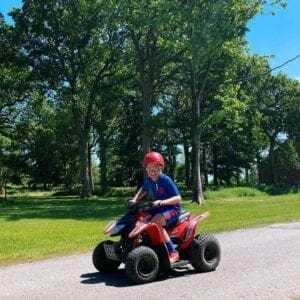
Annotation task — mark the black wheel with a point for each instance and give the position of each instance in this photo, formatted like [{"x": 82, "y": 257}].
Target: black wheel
[
  {"x": 205, "y": 253},
  {"x": 101, "y": 262},
  {"x": 142, "y": 265}
]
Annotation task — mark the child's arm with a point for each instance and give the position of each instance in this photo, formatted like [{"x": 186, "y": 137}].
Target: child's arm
[
  {"x": 170, "y": 201},
  {"x": 140, "y": 194}
]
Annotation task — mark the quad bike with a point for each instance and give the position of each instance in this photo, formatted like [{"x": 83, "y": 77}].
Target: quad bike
[{"x": 142, "y": 249}]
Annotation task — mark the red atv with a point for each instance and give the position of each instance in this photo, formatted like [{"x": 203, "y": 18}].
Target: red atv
[{"x": 142, "y": 249}]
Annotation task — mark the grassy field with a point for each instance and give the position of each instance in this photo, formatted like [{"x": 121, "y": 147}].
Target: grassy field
[{"x": 37, "y": 226}]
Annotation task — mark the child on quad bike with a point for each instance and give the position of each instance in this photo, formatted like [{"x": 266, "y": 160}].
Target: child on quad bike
[{"x": 166, "y": 205}]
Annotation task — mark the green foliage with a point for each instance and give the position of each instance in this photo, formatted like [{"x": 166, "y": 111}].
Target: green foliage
[
  {"x": 125, "y": 77},
  {"x": 279, "y": 189},
  {"x": 4, "y": 141},
  {"x": 286, "y": 156}
]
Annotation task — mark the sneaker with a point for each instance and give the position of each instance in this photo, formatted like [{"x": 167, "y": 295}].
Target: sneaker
[{"x": 173, "y": 256}]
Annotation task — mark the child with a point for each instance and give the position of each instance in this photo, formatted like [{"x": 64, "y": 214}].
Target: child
[{"x": 166, "y": 205}]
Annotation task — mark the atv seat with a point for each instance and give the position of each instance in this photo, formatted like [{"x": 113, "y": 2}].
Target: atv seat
[{"x": 183, "y": 216}]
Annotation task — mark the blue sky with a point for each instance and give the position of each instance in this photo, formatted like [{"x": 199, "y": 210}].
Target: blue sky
[{"x": 277, "y": 35}]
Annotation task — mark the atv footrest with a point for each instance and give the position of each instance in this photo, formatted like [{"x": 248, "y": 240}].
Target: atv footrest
[{"x": 179, "y": 264}]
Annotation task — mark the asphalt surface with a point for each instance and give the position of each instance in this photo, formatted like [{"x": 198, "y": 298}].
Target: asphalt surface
[{"x": 260, "y": 263}]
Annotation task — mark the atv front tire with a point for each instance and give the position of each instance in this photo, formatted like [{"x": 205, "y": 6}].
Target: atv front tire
[
  {"x": 205, "y": 253},
  {"x": 142, "y": 265},
  {"x": 101, "y": 262}
]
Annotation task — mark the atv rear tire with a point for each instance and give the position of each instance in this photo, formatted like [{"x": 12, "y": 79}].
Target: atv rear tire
[
  {"x": 141, "y": 265},
  {"x": 101, "y": 262},
  {"x": 205, "y": 253}
]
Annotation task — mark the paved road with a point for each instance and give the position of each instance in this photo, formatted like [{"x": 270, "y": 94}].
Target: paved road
[{"x": 261, "y": 263}]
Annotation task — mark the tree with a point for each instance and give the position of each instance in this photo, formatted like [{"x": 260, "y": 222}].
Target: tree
[
  {"x": 231, "y": 125},
  {"x": 70, "y": 59},
  {"x": 133, "y": 75},
  {"x": 275, "y": 100},
  {"x": 149, "y": 27},
  {"x": 209, "y": 26},
  {"x": 14, "y": 87}
]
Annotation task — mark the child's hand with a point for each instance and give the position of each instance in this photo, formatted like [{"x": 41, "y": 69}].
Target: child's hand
[
  {"x": 131, "y": 203},
  {"x": 156, "y": 203}
]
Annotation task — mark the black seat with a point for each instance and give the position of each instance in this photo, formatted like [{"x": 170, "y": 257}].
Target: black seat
[{"x": 183, "y": 216}]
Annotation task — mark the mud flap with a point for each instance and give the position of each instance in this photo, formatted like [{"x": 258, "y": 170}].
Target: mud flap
[{"x": 162, "y": 253}]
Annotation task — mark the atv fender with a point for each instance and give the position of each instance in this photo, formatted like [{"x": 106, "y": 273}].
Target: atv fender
[
  {"x": 110, "y": 226},
  {"x": 151, "y": 229},
  {"x": 191, "y": 228}
]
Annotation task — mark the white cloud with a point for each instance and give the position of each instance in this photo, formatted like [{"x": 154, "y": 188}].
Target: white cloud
[{"x": 297, "y": 78}]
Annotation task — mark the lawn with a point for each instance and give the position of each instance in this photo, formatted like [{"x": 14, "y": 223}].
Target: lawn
[{"x": 34, "y": 226}]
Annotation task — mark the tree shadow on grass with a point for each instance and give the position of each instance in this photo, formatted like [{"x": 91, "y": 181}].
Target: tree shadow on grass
[{"x": 61, "y": 208}]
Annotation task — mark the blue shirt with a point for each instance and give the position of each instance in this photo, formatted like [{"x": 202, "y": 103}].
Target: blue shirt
[{"x": 162, "y": 189}]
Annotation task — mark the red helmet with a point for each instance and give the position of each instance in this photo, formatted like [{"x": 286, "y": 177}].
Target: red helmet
[{"x": 153, "y": 157}]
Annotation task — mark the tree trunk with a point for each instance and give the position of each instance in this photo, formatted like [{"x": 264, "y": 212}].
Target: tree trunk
[
  {"x": 187, "y": 163},
  {"x": 146, "y": 139},
  {"x": 146, "y": 121},
  {"x": 197, "y": 184},
  {"x": 247, "y": 175},
  {"x": 237, "y": 174},
  {"x": 146, "y": 87},
  {"x": 272, "y": 161},
  {"x": 171, "y": 160},
  {"x": 91, "y": 179},
  {"x": 84, "y": 168},
  {"x": 2, "y": 188},
  {"x": 258, "y": 166},
  {"x": 103, "y": 163},
  {"x": 215, "y": 164},
  {"x": 204, "y": 169},
  {"x": 227, "y": 176}
]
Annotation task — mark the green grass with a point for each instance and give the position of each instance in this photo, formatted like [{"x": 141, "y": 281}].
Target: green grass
[
  {"x": 243, "y": 212},
  {"x": 38, "y": 226}
]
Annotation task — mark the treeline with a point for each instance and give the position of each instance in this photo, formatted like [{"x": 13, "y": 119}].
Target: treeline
[{"x": 87, "y": 87}]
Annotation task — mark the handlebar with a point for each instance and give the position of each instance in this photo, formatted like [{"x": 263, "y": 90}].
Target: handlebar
[{"x": 138, "y": 206}]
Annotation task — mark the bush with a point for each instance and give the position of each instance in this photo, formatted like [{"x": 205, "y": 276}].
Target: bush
[
  {"x": 278, "y": 189},
  {"x": 233, "y": 192}
]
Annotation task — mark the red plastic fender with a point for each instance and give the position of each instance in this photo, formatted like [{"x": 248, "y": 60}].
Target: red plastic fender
[
  {"x": 151, "y": 229},
  {"x": 191, "y": 228},
  {"x": 110, "y": 226}
]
